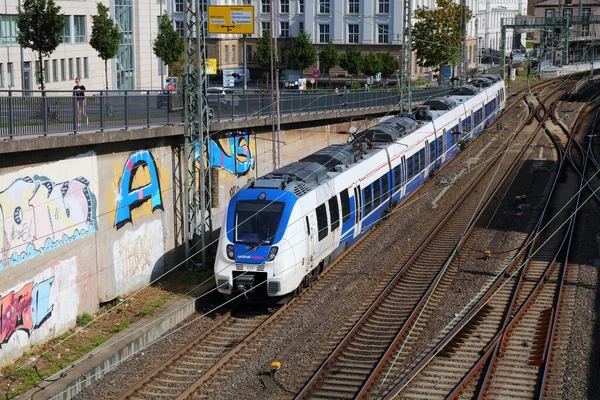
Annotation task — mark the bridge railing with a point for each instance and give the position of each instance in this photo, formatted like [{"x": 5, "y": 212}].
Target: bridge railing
[{"x": 51, "y": 111}]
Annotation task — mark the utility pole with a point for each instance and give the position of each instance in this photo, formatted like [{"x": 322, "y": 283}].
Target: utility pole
[
  {"x": 462, "y": 67},
  {"x": 405, "y": 94},
  {"x": 276, "y": 121}
]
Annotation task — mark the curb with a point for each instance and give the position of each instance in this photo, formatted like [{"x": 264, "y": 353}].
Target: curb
[{"x": 109, "y": 355}]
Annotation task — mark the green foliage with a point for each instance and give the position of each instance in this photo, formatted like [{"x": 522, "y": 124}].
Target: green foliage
[
  {"x": 303, "y": 53},
  {"x": 262, "y": 56},
  {"x": 437, "y": 34},
  {"x": 389, "y": 64},
  {"x": 371, "y": 64},
  {"x": 168, "y": 45},
  {"x": 105, "y": 37},
  {"x": 120, "y": 326},
  {"x": 352, "y": 60},
  {"x": 84, "y": 319},
  {"x": 329, "y": 57},
  {"x": 40, "y": 28}
]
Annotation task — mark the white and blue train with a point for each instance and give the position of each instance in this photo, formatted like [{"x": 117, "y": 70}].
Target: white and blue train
[{"x": 281, "y": 229}]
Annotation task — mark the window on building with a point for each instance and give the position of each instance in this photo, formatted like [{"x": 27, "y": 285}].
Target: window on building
[
  {"x": 71, "y": 77},
  {"x": 86, "y": 68},
  {"x": 55, "y": 70},
  {"x": 249, "y": 54},
  {"x": 324, "y": 33},
  {"x": 353, "y": 33},
  {"x": 1, "y": 75},
  {"x": 63, "y": 70},
  {"x": 568, "y": 12},
  {"x": 46, "y": 70},
  {"x": 586, "y": 12},
  {"x": 179, "y": 28},
  {"x": 38, "y": 70},
  {"x": 585, "y": 30},
  {"x": 78, "y": 67},
  {"x": 179, "y": 6},
  {"x": 226, "y": 58},
  {"x": 301, "y": 4},
  {"x": 79, "y": 25},
  {"x": 67, "y": 30},
  {"x": 384, "y": 6},
  {"x": 233, "y": 52},
  {"x": 9, "y": 75},
  {"x": 353, "y": 6},
  {"x": 8, "y": 30},
  {"x": 265, "y": 28},
  {"x": 301, "y": 26},
  {"x": 324, "y": 6},
  {"x": 383, "y": 33},
  {"x": 265, "y": 6},
  {"x": 285, "y": 29},
  {"x": 284, "y": 6}
]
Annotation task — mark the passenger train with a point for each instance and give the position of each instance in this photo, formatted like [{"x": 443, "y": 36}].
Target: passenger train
[{"x": 283, "y": 228}]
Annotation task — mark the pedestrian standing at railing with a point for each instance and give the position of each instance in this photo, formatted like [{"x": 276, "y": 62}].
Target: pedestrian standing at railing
[{"x": 79, "y": 93}]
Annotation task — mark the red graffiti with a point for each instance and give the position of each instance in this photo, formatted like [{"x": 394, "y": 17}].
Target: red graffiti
[{"x": 15, "y": 312}]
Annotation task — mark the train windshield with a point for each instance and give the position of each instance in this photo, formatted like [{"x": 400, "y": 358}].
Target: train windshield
[{"x": 256, "y": 221}]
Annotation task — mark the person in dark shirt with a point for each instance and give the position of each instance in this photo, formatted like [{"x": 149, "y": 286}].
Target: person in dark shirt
[{"x": 79, "y": 93}]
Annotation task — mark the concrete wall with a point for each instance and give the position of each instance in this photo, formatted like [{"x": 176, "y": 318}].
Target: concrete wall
[{"x": 78, "y": 227}]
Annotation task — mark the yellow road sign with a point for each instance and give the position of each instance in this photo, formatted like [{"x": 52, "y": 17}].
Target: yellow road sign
[
  {"x": 231, "y": 19},
  {"x": 211, "y": 66}
]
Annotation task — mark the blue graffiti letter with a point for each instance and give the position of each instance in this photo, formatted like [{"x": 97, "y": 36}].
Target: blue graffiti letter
[
  {"x": 130, "y": 198},
  {"x": 40, "y": 304}
]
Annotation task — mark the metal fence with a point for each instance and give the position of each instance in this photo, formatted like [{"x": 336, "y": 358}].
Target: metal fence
[{"x": 42, "y": 113}]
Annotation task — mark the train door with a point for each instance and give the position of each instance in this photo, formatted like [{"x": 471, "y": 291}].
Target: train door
[
  {"x": 358, "y": 212},
  {"x": 311, "y": 224}
]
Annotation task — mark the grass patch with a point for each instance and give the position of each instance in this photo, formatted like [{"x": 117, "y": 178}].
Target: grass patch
[
  {"x": 120, "y": 326},
  {"x": 84, "y": 319}
]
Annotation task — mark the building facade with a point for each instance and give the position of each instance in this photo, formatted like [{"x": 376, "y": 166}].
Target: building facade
[
  {"x": 135, "y": 67},
  {"x": 489, "y": 17}
]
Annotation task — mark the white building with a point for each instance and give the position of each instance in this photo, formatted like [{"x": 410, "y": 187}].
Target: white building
[
  {"x": 135, "y": 67},
  {"x": 489, "y": 17}
]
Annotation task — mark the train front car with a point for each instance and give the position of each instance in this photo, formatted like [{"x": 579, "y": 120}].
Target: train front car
[{"x": 254, "y": 256}]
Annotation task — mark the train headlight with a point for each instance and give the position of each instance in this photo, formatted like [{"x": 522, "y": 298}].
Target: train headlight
[
  {"x": 272, "y": 253},
  {"x": 230, "y": 253}
]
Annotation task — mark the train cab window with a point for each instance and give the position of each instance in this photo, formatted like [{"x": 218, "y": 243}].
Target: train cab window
[
  {"x": 421, "y": 160},
  {"x": 322, "y": 221},
  {"x": 368, "y": 199},
  {"x": 345, "y": 200},
  {"x": 257, "y": 221},
  {"x": 334, "y": 212},
  {"x": 376, "y": 193},
  {"x": 397, "y": 177},
  {"x": 385, "y": 187}
]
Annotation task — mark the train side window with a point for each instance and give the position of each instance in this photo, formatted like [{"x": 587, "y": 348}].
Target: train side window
[
  {"x": 432, "y": 154},
  {"x": 334, "y": 212},
  {"x": 376, "y": 193},
  {"x": 368, "y": 199},
  {"x": 385, "y": 187},
  {"x": 397, "y": 177},
  {"x": 307, "y": 226},
  {"x": 322, "y": 221},
  {"x": 421, "y": 160},
  {"x": 345, "y": 200},
  {"x": 440, "y": 146},
  {"x": 409, "y": 168}
]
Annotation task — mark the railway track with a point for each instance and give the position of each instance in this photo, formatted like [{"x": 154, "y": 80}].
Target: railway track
[
  {"x": 358, "y": 360},
  {"x": 170, "y": 380},
  {"x": 515, "y": 344}
]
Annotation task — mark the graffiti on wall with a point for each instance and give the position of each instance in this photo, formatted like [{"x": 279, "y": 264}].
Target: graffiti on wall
[
  {"x": 139, "y": 183},
  {"x": 232, "y": 154},
  {"x": 25, "y": 310},
  {"x": 136, "y": 255},
  {"x": 38, "y": 215}
]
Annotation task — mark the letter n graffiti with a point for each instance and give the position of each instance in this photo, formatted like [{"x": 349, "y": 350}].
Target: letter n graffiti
[{"x": 129, "y": 198}]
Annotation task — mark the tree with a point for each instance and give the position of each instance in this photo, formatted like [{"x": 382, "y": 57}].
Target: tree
[
  {"x": 352, "y": 60},
  {"x": 168, "y": 45},
  {"x": 437, "y": 34},
  {"x": 371, "y": 64},
  {"x": 303, "y": 53},
  {"x": 105, "y": 37},
  {"x": 40, "y": 28},
  {"x": 262, "y": 56},
  {"x": 389, "y": 65},
  {"x": 329, "y": 58}
]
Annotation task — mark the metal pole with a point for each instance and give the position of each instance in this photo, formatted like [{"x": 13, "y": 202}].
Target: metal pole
[
  {"x": 245, "y": 55},
  {"x": 22, "y": 64},
  {"x": 274, "y": 83},
  {"x": 162, "y": 64},
  {"x": 462, "y": 67}
]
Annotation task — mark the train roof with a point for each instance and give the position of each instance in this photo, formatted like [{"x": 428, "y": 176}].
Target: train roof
[{"x": 302, "y": 176}]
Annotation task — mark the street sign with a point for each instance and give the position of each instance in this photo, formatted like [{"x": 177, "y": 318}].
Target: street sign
[
  {"x": 287, "y": 84},
  {"x": 316, "y": 73},
  {"x": 231, "y": 19},
  {"x": 211, "y": 66},
  {"x": 312, "y": 81},
  {"x": 228, "y": 78}
]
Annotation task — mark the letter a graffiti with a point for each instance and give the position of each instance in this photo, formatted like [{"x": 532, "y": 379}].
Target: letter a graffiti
[{"x": 129, "y": 198}]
